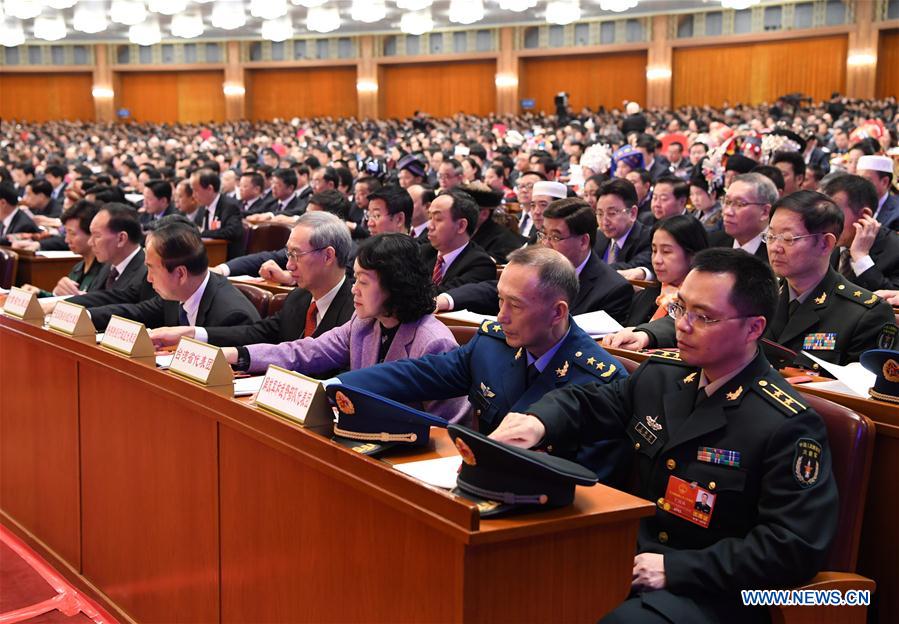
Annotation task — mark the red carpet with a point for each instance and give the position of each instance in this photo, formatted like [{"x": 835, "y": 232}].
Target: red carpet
[{"x": 31, "y": 591}]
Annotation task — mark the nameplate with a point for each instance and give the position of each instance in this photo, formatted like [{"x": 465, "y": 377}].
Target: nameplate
[
  {"x": 71, "y": 319},
  {"x": 202, "y": 363},
  {"x": 128, "y": 338},
  {"x": 23, "y": 305},
  {"x": 296, "y": 397}
]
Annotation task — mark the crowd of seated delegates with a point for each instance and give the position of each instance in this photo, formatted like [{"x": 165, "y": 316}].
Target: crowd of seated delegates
[{"x": 390, "y": 222}]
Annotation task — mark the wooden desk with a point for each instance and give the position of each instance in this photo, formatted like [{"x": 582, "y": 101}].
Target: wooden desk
[
  {"x": 177, "y": 504},
  {"x": 879, "y": 548},
  {"x": 273, "y": 287},
  {"x": 43, "y": 272},
  {"x": 216, "y": 250}
]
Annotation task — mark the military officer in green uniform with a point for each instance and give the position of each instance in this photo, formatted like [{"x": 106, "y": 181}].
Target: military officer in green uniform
[
  {"x": 533, "y": 347},
  {"x": 719, "y": 421},
  {"x": 818, "y": 310}
]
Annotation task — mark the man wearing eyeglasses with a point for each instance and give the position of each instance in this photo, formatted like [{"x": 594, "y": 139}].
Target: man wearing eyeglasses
[
  {"x": 718, "y": 421},
  {"x": 744, "y": 212},
  {"x": 317, "y": 251},
  {"x": 622, "y": 241}
]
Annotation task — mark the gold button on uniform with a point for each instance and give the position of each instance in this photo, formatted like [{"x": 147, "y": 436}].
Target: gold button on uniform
[
  {"x": 671, "y": 464},
  {"x": 712, "y": 485},
  {"x": 660, "y": 502},
  {"x": 663, "y": 537},
  {"x": 636, "y": 446}
]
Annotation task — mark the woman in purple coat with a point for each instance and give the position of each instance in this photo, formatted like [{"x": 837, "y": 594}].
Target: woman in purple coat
[{"x": 394, "y": 300}]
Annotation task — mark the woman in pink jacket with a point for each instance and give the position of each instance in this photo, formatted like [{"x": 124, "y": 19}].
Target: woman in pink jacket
[{"x": 394, "y": 300}]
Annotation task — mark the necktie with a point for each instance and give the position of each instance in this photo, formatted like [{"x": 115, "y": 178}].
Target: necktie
[
  {"x": 311, "y": 320},
  {"x": 437, "y": 275},
  {"x": 613, "y": 253},
  {"x": 532, "y": 374},
  {"x": 111, "y": 278},
  {"x": 183, "y": 321},
  {"x": 2, "y": 229},
  {"x": 700, "y": 397},
  {"x": 845, "y": 265},
  {"x": 525, "y": 222}
]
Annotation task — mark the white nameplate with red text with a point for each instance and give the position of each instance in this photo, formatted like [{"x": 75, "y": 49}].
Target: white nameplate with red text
[
  {"x": 202, "y": 363},
  {"x": 71, "y": 319},
  {"x": 294, "y": 396},
  {"x": 23, "y": 305},
  {"x": 127, "y": 337}
]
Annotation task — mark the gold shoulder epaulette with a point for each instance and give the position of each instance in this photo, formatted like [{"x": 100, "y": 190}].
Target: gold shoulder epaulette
[
  {"x": 779, "y": 398},
  {"x": 492, "y": 328},
  {"x": 857, "y": 294},
  {"x": 668, "y": 357}
]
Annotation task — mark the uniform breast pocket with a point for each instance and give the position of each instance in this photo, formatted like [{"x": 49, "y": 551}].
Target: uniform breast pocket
[
  {"x": 644, "y": 438},
  {"x": 725, "y": 499},
  {"x": 485, "y": 413}
]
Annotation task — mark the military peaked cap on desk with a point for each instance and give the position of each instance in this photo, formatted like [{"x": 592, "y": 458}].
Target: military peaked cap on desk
[
  {"x": 501, "y": 478},
  {"x": 370, "y": 424},
  {"x": 885, "y": 364}
]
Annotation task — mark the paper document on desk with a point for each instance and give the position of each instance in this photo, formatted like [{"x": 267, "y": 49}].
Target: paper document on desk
[
  {"x": 246, "y": 278},
  {"x": 597, "y": 324},
  {"x": 854, "y": 376},
  {"x": 134, "y": 198},
  {"x": 247, "y": 386},
  {"x": 164, "y": 361},
  {"x": 464, "y": 316},
  {"x": 440, "y": 472},
  {"x": 57, "y": 254}
]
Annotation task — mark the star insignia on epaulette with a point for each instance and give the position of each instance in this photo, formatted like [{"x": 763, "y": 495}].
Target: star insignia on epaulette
[
  {"x": 591, "y": 360},
  {"x": 871, "y": 300},
  {"x": 600, "y": 366},
  {"x": 519, "y": 352},
  {"x": 821, "y": 299},
  {"x": 610, "y": 372},
  {"x": 733, "y": 396},
  {"x": 857, "y": 293},
  {"x": 689, "y": 378},
  {"x": 561, "y": 372},
  {"x": 497, "y": 328}
]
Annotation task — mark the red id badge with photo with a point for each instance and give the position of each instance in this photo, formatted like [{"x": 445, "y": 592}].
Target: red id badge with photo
[{"x": 689, "y": 501}]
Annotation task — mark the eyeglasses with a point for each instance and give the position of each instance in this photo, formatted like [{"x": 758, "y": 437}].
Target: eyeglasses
[
  {"x": 678, "y": 311},
  {"x": 525, "y": 187},
  {"x": 602, "y": 214},
  {"x": 294, "y": 256},
  {"x": 553, "y": 238},
  {"x": 788, "y": 240},
  {"x": 739, "y": 203}
]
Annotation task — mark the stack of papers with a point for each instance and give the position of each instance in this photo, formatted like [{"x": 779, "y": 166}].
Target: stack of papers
[
  {"x": 57, "y": 254},
  {"x": 439, "y": 472},
  {"x": 247, "y": 386},
  {"x": 596, "y": 324},
  {"x": 850, "y": 379}
]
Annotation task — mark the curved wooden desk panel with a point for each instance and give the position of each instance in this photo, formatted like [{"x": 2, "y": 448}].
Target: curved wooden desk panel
[{"x": 181, "y": 505}]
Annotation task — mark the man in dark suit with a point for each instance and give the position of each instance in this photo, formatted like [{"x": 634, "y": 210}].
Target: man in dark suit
[
  {"x": 867, "y": 253},
  {"x": 879, "y": 171},
  {"x": 13, "y": 220},
  {"x": 656, "y": 164},
  {"x": 56, "y": 175},
  {"x": 186, "y": 204},
  {"x": 323, "y": 300},
  {"x": 285, "y": 200},
  {"x": 451, "y": 257},
  {"x": 157, "y": 203},
  {"x": 187, "y": 292},
  {"x": 222, "y": 220},
  {"x": 497, "y": 240},
  {"x": 622, "y": 241},
  {"x": 115, "y": 239},
  {"x": 251, "y": 186},
  {"x": 745, "y": 211},
  {"x": 569, "y": 228},
  {"x": 39, "y": 201}
]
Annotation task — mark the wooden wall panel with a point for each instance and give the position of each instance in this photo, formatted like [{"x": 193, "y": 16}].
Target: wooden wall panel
[
  {"x": 591, "y": 80},
  {"x": 172, "y": 97},
  {"x": 888, "y": 64},
  {"x": 438, "y": 89},
  {"x": 302, "y": 92},
  {"x": 45, "y": 97},
  {"x": 759, "y": 72}
]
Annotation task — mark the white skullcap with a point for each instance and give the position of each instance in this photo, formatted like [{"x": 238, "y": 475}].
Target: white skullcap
[
  {"x": 632, "y": 108},
  {"x": 552, "y": 189},
  {"x": 884, "y": 164}
]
